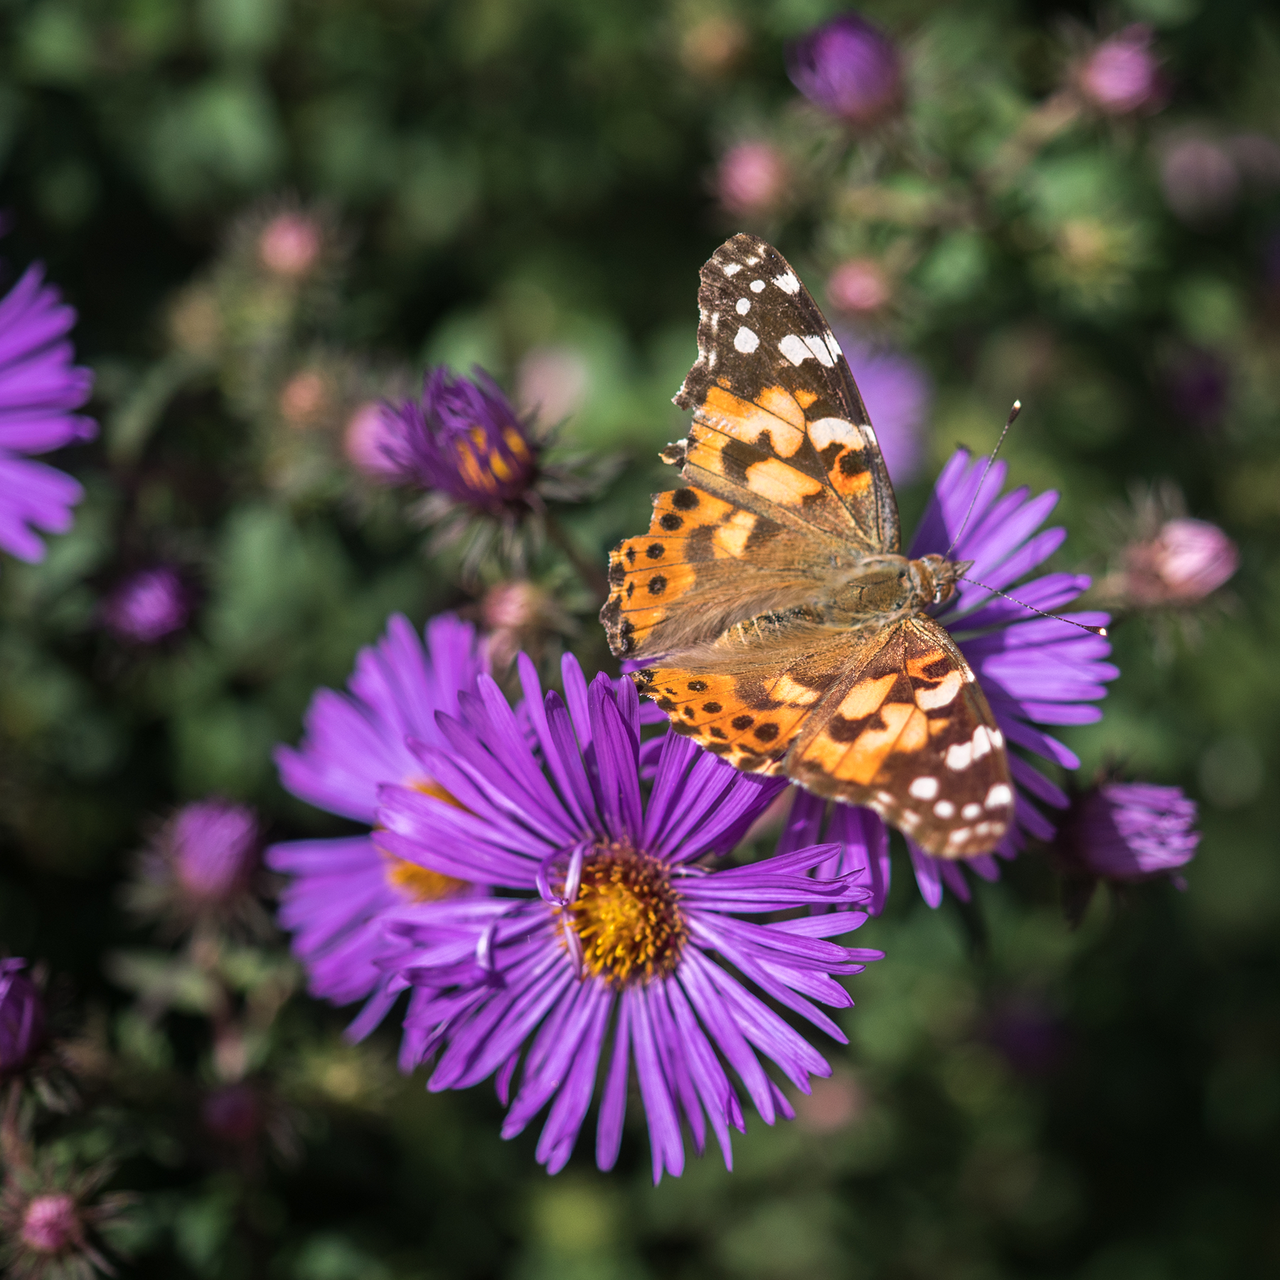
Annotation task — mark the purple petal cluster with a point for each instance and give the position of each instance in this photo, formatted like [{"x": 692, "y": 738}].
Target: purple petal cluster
[
  {"x": 211, "y": 848},
  {"x": 1035, "y": 671},
  {"x": 849, "y": 69},
  {"x": 353, "y": 744},
  {"x": 147, "y": 606},
  {"x": 463, "y": 438},
  {"x": 22, "y": 1017},
  {"x": 607, "y": 942},
  {"x": 1128, "y": 831},
  {"x": 39, "y": 390}
]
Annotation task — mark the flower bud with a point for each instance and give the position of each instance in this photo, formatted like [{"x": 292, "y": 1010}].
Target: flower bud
[
  {"x": 849, "y": 69},
  {"x": 1200, "y": 180},
  {"x": 51, "y": 1224},
  {"x": 289, "y": 245},
  {"x": 752, "y": 179},
  {"x": 368, "y": 430},
  {"x": 1122, "y": 75},
  {"x": 22, "y": 1017},
  {"x": 1184, "y": 562},
  {"x": 147, "y": 606},
  {"x": 214, "y": 849},
  {"x": 859, "y": 286},
  {"x": 1127, "y": 831}
]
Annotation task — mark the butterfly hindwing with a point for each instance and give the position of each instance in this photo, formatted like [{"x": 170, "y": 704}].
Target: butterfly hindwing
[
  {"x": 779, "y": 425},
  {"x": 914, "y": 738}
]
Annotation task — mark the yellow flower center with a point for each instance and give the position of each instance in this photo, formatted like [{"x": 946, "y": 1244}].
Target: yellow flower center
[
  {"x": 421, "y": 884},
  {"x": 627, "y": 917}
]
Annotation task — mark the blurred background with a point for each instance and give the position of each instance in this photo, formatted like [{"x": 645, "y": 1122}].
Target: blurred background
[{"x": 269, "y": 214}]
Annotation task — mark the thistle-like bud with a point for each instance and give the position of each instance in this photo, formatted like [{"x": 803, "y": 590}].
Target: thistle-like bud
[
  {"x": 147, "y": 606},
  {"x": 848, "y": 68}
]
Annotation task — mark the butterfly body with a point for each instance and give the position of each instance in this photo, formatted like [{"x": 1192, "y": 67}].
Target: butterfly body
[{"x": 790, "y": 635}]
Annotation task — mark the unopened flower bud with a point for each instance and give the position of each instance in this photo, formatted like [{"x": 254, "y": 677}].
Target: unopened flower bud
[
  {"x": 1200, "y": 180},
  {"x": 147, "y": 606},
  {"x": 290, "y": 244},
  {"x": 368, "y": 429},
  {"x": 858, "y": 286},
  {"x": 213, "y": 844},
  {"x": 849, "y": 69},
  {"x": 1184, "y": 562},
  {"x": 752, "y": 179},
  {"x": 1127, "y": 831},
  {"x": 1122, "y": 75},
  {"x": 51, "y": 1224},
  {"x": 304, "y": 398},
  {"x": 22, "y": 1017}
]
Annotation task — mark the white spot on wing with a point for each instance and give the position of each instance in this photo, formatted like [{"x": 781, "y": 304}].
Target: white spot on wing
[
  {"x": 826, "y": 430},
  {"x": 787, "y": 282},
  {"x": 999, "y": 796},
  {"x": 943, "y": 695},
  {"x": 731, "y": 268},
  {"x": 794, "y": 349},
  {"x": 924, "y": 788},
  {"x": 820, "y": 352},
  {"x": 743, "y": 306},
  {"x": 971, "y": 811},
  {"x": 944, "y": 809},
  {"x": 832, "y": 345},
  {"x": 745, "y": 340},
  {"x": 757, "y": 286}
]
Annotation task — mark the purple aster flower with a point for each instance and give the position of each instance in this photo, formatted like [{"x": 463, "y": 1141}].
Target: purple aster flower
[
  {"x": 147, "y": 606},
  {"x": 22, "y": 1018},
  {"x": 897, "y": 393},
  {"x": 607, "y": 927},
  {"x": 353, "y": 744},
  {"x": 1128, "y": 831},
  {"x": 1035, "y": 671},
  {"x": 463, "y": 438},
  {"x": 39, "y": 389},
  {"x": 849, "y": 69}
]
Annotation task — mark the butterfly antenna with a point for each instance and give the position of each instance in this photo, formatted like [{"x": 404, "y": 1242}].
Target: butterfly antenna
[
  {"x": 1008, "y": 422},
  {"x": 1097, "y": 631}
]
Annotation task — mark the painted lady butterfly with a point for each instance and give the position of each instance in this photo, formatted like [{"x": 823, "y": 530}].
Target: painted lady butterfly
[{"x": 791, "y": 635}]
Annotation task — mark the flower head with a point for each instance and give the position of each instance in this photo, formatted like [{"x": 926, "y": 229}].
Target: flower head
[
  {"x": 50, "y": 1215},
  {"x": 606, "y": 926},
  {"x": 290, "y": 244},
  {"x": 849, "y": 69},
  {"x": 354, "y": 743},
  {"x": 1127, "y": 831},
  {"x": 39, "y": 390},
  {"x": 147, "y": 606},
  {"x": 23, "y": 1019},
  {"x": 463, "y": 438},
  {"x": 1122, "y": 75},
  {"x": 1184, "y": 562},
  {"x": 753, "y": 179},
  {"x": 200, "y": 864},
  {"x": 1034, "y": 671},
  {"x": 859, "y": 286},
  {"x": 369, "y": 432}
]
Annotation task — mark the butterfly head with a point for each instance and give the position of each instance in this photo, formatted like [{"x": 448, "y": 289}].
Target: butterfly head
[{"x": 936, "y": 577}]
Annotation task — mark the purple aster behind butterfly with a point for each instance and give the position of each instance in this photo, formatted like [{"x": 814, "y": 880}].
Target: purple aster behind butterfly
[
  {"x": 849, "y": 69},
  {"x": 39, "y": 391},
  {"x": 354, "y": 743},
  {"x": 1034, "y": 671},
  {"x": 608, "y": 940}
]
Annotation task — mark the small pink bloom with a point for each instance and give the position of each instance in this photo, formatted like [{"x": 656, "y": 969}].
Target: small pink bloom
[
  {"x": 367, "y": 431},
  {"x": 1191, "y": 558},
  {"x": 849, "y": 69},
  {"x": 752, "y": 178},
  {"x": 51, "y": 1223},
  {"x": 1122, "y": 74},
  {"x": 290, "y": 244},
  {"x": 859, "y": 285}
]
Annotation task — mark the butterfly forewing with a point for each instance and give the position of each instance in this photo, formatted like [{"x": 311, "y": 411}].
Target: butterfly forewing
[{"x": 777, "y": 415}]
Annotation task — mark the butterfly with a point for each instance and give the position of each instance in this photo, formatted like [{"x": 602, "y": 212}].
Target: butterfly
[{"x": 788, "y": 633}]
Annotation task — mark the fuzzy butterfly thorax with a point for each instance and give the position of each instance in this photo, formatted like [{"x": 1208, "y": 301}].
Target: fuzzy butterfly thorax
[{"x": 790, "y": 635}]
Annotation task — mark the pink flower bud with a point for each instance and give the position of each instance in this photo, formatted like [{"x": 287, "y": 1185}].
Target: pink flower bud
[
  {"x": 752, "y": 178},
  {"x": 290, "y": 244},
  {"x": 51, "y": 1223},
  {"x": 849, "y": 69},
  {"x": 1191, "y": 558},
  {"x": 368, "y": 429},
  {"x": 859, "y": 285},
  {"x": 1122, "y": 75}
]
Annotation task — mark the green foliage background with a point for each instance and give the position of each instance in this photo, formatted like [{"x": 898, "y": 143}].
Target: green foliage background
[{"x": 504, "y": 175}]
